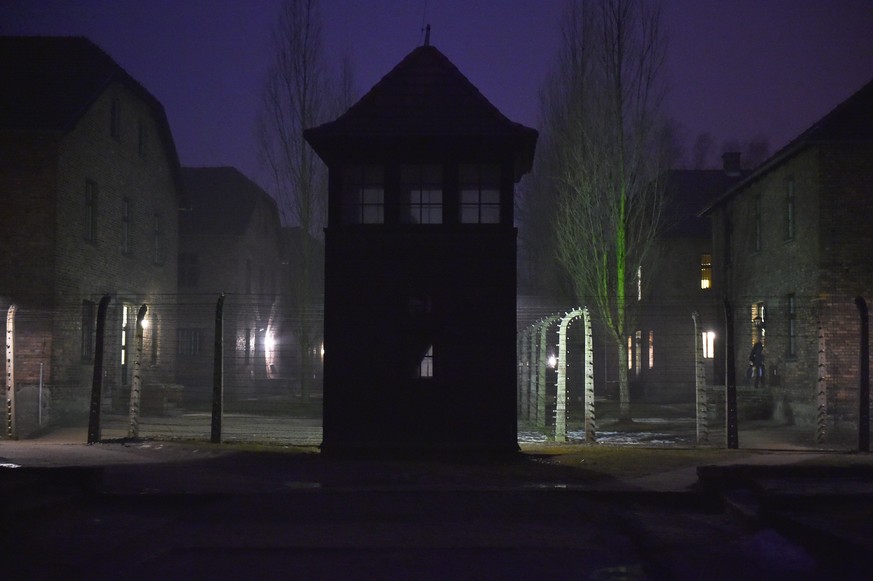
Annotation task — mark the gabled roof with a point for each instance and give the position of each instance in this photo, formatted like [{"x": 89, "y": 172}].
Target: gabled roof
[
  {"x": 49, "y": 83},
  {"x": 689, "y": 192},
  {"x": 222, "y": 201},
  {"x": 425, "y": 95},
  {"x": 849, "y": 122}
]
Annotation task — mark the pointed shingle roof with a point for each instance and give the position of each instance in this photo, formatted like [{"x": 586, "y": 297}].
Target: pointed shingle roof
[{"x": 424, "y": 96}]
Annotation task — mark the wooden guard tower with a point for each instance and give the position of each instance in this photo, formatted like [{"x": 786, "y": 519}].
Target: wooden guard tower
[{"x": 420, "y": 264}]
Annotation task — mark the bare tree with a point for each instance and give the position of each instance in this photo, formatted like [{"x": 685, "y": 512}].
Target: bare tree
[
  {"x": 299, "y": 94},
  {"x": 603, "y": 116}
]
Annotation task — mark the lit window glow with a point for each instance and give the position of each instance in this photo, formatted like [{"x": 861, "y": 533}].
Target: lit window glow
[
  {"x": 651, "y": 349},
  {"x": 705, "y": 271},
  {"x": 425, "y": 368},
  {"x": 708, "y": 338}
]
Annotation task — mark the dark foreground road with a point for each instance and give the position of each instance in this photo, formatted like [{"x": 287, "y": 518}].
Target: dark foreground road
[{"x": 188, "y": 513}]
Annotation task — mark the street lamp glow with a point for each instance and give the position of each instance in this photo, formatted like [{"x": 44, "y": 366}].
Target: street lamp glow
[{"x": 553, "y": 361}]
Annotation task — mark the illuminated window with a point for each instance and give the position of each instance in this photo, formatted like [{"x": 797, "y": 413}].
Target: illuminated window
[
  {"x": 128, "y": 320},
  {"x": 708, "y": 340},
  {"x": 706, "y": 271},
  {"x": 759, "y": 322},
  {"x": 651, "y": 349},
  {"x": 630, "y": 352},
  {"x": 363, "y": 195},
  {"x": 90, "y": 218},
  {"x": 425, "y": 367},
  {"x": 421, "y": 194},
  {"x": 480, "y": 194}
]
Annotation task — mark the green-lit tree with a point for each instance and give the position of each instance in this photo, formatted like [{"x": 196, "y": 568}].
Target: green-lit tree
[{"x": 605, "y": 156}]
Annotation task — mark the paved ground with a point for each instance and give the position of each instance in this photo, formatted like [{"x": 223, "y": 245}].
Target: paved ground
[{"x": 166, "y": 510}]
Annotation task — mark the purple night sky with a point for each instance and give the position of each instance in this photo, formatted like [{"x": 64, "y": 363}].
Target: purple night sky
[{"x": 736, "y": 69}]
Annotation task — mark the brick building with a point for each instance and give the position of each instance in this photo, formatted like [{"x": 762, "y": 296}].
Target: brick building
[
  {"x": 676, "y": 282},
  {"x": 229, "y": 242},
  {"x": 90, "y": 184},
  {"x": 792, "y": 250}
]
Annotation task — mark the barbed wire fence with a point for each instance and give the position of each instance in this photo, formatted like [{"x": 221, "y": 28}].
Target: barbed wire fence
[
  {"x": 809, "y": 389},
  {"x": 807, "y": 392},
  {"x": 157, "y": 379}
]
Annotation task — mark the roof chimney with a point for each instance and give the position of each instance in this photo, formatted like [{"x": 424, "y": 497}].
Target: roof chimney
[
  {"x": 731, "y": 161},
  {"x": 427, "y": 35}
]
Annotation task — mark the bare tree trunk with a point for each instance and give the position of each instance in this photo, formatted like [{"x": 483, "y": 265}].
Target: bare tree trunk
[
  {"x": 605, "y": 155},
  {"x": 299, "y": 94}
]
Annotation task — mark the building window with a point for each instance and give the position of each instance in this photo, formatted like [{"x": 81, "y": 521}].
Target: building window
[
  {"x": 708, "y": 340},
  {"x": 89, "y": 309},
  {"x": 115, "y": 119},
  {"x": 425, "y": 367},
  {"x": 128, "y": 322},
  {"x": 158, "y": 237},
  {"x": 90, "y": 218},
  {"x": 125, "y": 226},
  {"x": 630, "y": 352},
  {"x": 421, "y": 194},
  {"x": 249, "y": 338},
  {"x": 757, "y": 222},
  {"x": 480, "y": 194},
  {"x": 705, "y": 271},
  {"x": 792, "y": 325},
  {"x": 189, "y": 270},
  {"x": 188, "y": 342},
  {"x": 789, "y": 209},
  {"x": 759, "y": 322},
  {"x": 363, "y": 196},
  {"x": 651, "y": 349}
]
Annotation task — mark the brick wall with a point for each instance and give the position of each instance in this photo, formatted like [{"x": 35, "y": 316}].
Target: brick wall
[
  {"x": 62, "y": 268},
  {"x": 824, "y": 266}
]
